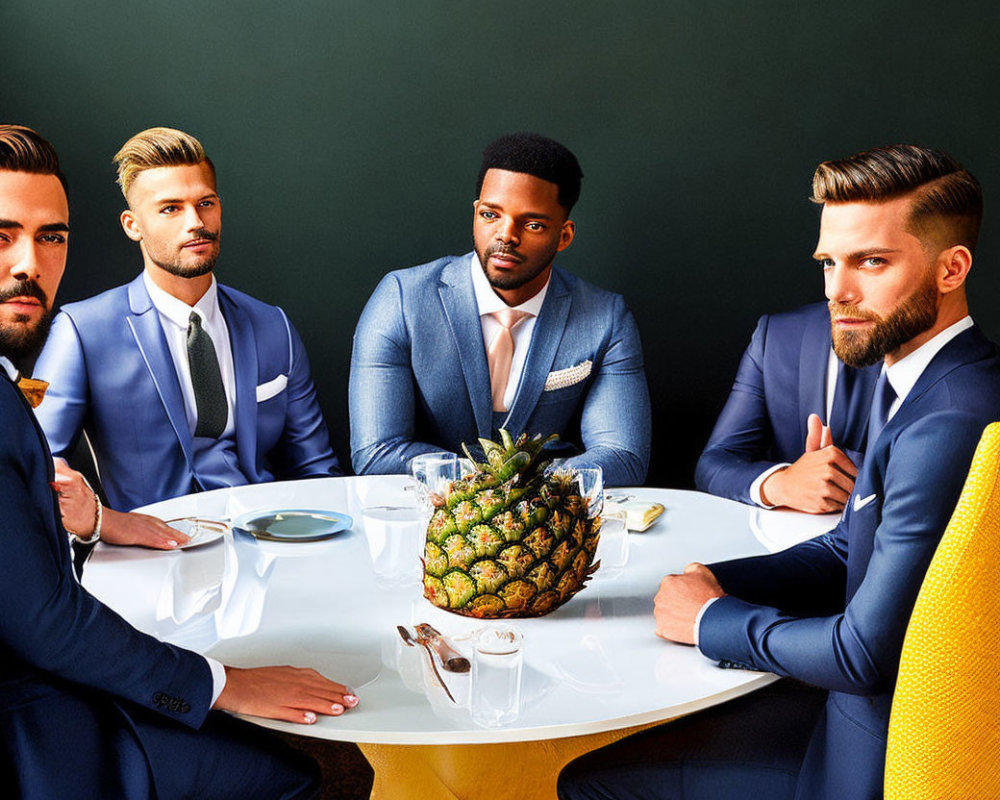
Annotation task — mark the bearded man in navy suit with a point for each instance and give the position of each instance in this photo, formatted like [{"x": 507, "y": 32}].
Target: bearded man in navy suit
[
  {"x": 89, "y": 706},
  {"x": 453, "y": 350},
  {"x": 897, "y": 235},
  {"x": 181, "y": 384}
]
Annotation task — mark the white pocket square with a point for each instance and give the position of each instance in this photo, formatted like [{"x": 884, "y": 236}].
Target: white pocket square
[
  {"x": 561, "y": 378},
  {"x": 268, "y": 390}
]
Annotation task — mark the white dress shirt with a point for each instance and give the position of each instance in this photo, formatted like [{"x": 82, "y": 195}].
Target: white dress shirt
[
  {"x": 9, "y": 368},
  {"x": 488, "y": 302},
  {"x": 174, "y": 319}
]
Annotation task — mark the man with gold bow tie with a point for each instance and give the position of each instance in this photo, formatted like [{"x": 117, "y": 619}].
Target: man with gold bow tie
[{"x": 89, "y": 706}]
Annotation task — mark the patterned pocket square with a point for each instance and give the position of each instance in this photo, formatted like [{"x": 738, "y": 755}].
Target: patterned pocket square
[{"x": 561, "y": 378}]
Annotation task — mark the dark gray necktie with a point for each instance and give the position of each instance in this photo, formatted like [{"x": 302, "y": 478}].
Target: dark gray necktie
[
  {"x": 206, "y": 378},
  {"x": 882, "y": 401}
]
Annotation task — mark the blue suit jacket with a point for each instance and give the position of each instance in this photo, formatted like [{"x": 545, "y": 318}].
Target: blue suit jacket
[
  {"x": 111, "y": 374},
  {"x": 833, "y": 611},
  {"x": 73, "y": 674},
  {"x": 780, "y": 382},
  {"x": 420, "y": 380}
]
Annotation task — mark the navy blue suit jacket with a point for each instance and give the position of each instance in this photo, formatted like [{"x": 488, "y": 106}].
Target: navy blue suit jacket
[
  {"x": 781, "y": 381},
  {"x": 420, "y": 380},
  {"x": 833, "y": 611},
  {"x": 110, "y": 373},
  {"x": 73, "y": 674}
]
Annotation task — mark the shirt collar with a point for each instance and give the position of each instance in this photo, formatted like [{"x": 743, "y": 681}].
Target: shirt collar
[
  {"x": 488, "y": 301},
  {"x": 904, "y": 374},
  {"x": 9, "y": 368},
  {"x": 179, "y": 312}
]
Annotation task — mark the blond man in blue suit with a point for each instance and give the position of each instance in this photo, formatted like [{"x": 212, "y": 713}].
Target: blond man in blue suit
[
  {"x": 435, "y": 364},
  {"x": 180, "y": 383}
]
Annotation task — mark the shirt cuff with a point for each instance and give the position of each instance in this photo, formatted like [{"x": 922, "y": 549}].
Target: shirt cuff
[
  {"x": 218, "y": 678},
  {"x": 697, "y": 619},
  {"x": 755, "y": 486}
]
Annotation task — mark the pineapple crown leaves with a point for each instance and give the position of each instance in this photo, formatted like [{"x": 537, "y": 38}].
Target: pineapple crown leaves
[{"x": 511, "y": 456}]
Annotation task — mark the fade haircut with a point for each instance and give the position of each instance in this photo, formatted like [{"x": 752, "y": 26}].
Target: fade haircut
[
  {"x": 947, "y": 204},
  {"x": 157, "y": 147},
  {"x": 535, "y": 155},
  {"x": 23, "y": 150}
]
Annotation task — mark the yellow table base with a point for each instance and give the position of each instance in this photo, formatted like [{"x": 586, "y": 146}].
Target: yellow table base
[{"x": 511, "y": 771}]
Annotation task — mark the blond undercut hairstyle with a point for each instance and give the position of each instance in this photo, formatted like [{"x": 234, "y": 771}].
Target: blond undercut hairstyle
[
  {"x": 947, "y": 205},
  {"x": 24, "y": 150},
  {"x": 157, "y": 147}
]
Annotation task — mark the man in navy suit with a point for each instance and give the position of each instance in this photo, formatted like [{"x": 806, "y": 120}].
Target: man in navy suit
[
  {"x": 453, "y": 350},
  {"x": 89, "y": 706},
  {"x": 180, "y": 383},
  {"x": 792, "y": 432},
  {"x": 897, "y": 234}
]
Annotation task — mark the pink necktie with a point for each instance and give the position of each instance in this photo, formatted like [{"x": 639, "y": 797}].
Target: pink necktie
[{"x": 501, "y": 352}]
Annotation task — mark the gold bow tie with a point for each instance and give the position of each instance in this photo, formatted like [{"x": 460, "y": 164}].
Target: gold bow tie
[{"x": 32, "y": 390}]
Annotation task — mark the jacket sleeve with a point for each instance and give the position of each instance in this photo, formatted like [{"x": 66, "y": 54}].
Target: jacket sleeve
[
  {"x": 62, "y": 364},
  {"x": 857, "y": 650},
  {"x": 382, "y": 393},
  {"x": 304, "y": 448},
  {"x": 735, "y": 454},
  {"x": 615, "y": 425},
  {"x": 49, "y": 623}
]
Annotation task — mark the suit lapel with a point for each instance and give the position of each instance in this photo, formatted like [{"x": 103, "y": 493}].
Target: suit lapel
[
  {"x": 144, "y": 323},
  {"x": 545, "y": 339},
  {"x": 459, "y": 302},
  {"x": 813, "y": 358},
  {"x": 244, "y": 347}
]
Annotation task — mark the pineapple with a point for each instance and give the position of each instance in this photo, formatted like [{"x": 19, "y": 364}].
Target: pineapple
[{"x": 509, "y": 540}]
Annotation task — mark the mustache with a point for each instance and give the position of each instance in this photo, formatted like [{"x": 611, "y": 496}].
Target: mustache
[
  {"x": 844, "y": 311},
  {"x": 23, "y": 288},
  {"x": 204, "y": 233},
  {"x": 501, "y": 249}
]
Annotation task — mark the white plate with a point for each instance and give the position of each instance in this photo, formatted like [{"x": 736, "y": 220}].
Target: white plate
[{"x": 201, "y": 531}]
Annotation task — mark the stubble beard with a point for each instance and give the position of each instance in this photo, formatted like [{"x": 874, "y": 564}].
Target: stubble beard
[{"x": 912, "y": 317}]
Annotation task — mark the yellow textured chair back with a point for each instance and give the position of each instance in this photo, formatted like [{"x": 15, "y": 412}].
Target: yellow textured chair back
[{"x": 944, "y": 731}]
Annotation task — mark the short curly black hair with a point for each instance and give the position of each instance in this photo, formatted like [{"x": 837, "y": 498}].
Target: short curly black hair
[{"x": 534, "y": 154}]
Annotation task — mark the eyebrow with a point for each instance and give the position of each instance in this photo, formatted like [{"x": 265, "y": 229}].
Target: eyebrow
[
  {"x": 175, "y": 200},
  {"x": 531, "y": 214},
  {"x": 857, "y": 255},
  {"x": 49, "y": 227}
]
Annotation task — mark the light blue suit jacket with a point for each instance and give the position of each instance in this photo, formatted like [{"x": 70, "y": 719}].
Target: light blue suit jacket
[
  {"x": 833, "y": 611},
  {"x": 420, "y": 380},
  {"x": 111, "y": 374}
]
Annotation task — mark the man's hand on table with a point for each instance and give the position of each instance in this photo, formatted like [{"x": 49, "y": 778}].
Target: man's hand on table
[
  {"x": 679, "y": 600},
  {"x": 78, "y": 507},
  {"x": 819, "y": 481},
  {"x": 286, "y": 693}
]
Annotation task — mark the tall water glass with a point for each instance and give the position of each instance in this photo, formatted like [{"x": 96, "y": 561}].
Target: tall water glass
[
  {"x": 612, "y": 547},
  {"x": 395, "y": 537},
  {"x": 495, "y": 693}
]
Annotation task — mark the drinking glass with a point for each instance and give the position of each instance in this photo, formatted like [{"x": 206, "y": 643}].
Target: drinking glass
[
  {"x": 395, "y": 537},
  {"x": 590, "y": 482},
  {"x": 433, "y": 472},
  {"x": 495, "y": 693},
  {"x": 612, "y": 547}
]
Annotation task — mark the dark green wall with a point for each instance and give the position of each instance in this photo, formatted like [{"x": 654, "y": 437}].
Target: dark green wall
[{"x": 346, "y": 137}]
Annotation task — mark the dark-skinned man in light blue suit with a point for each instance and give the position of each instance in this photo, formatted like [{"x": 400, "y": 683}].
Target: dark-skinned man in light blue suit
[
  {"x": 89, "y": 706},
  {"x": 428, "y": 371},
  {"x": 897, "y": 233}
]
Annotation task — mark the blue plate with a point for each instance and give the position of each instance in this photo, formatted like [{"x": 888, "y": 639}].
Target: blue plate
[{"x": 292, "y": 524}]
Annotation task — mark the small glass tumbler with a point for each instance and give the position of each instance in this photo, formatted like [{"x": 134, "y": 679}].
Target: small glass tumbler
[
  {"x": 433, "y": 472},
  {"x": 495, "y": 696},
  {"x": 590, "y": 482},
  {"x": 395, "y": 537},
  {"x": 612, "y": 547}
]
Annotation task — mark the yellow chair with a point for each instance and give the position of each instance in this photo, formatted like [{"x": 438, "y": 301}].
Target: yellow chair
[{"x": 944, "y": 730}]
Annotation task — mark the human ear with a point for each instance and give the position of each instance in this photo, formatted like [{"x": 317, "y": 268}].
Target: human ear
[
  {"x": 953, "y": 268},
  {"x": 130, "y": 225},
  {"x": 566, "y": 234}
]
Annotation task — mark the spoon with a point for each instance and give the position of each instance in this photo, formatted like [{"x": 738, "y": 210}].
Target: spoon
[{"x": 412, "y": 641}]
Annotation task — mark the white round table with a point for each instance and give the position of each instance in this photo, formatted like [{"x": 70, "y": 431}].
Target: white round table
[{"x": 591, "y": 666}]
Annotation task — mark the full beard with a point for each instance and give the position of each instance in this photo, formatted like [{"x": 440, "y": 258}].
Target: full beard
[
  {"x": 912, "y": 317},
  {"x": 511, "y": 280},
  {"x": 20, "y": 340}
]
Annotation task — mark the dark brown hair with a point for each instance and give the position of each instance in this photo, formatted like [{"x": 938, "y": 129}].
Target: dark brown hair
[
  {"x": 23, "y": 150},
  {"x": 947, "y": 205}
]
